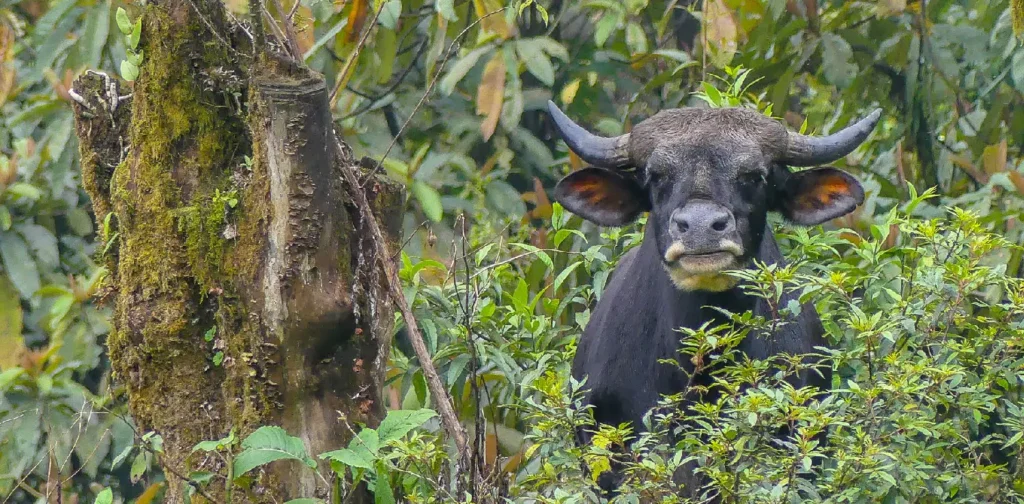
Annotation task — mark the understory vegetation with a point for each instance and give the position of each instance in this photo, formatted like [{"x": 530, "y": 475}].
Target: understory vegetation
[{"x": 919, "y": 290}]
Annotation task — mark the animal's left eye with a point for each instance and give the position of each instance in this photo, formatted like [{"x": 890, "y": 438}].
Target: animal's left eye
[{"x": 751, "y": 178}]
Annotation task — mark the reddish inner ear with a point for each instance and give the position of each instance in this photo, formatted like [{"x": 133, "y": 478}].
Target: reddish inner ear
[
  {"x": 600, "y": 196},
  {"x": 819, "y": 195},
  {"x": 824, "y": 191}
]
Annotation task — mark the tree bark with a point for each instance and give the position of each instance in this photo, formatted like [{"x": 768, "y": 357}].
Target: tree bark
[{"x": 243, "y": 292}]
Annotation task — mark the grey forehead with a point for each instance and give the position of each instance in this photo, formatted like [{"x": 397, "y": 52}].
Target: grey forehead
[{"x": 737, "y": 154}]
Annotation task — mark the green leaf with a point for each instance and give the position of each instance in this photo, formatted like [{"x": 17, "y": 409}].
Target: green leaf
[
  {"x": 24, "y": 190},
  {"x": 94, "y": 36},
  {"x": 120, "y": 458},
  {"x": 123, "y": 23},
  {"x": 382, "y": 493},
  {"x": 390, "y": 14},
  {"x": 430, "y": 200},
  {"x": 135, "y": 35},
  {"x": 837, "y": 60},
  {"x": 267, "y": 444},
  {"x": 461, "y": 68},
  {"x": 220, "y": 444},
  {"x": 446, "y": 8},
  {"x": 327, "y": 37},
  {"x": 537, "y": 62},
  {"x": 210, "y": 333},
  {"x": 565, "y": 273},
  {"x": 398, "y": 423},
  {"x": 218, "y": 358},
  {"x": 636, "y": 39},
  {"x": 129, "y": 71},
  {"x": 43, "y": 243},
  {"x": 361, "y": 451},
  {"x": 605, "y": 26},
  {"x": 542, "y": 255},
  {"x": 105, "y": 497},
  {"x": 135, "y": 58},
  {"x": 21, "y": 269},
  {"x": 139, "y": 466}
]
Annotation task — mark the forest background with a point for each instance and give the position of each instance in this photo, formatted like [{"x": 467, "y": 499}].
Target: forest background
[{"x": 928, "y": 398}]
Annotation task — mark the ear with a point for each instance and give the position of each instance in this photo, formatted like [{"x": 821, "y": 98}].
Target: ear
[
  {"x": 819, "y": 195},
  {"x": 603, "y": 197}
]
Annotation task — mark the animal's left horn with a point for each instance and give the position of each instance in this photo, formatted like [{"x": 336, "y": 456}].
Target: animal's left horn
[
  {"x": 601, "y": 152},
  {"x": 804, "y": 150}
]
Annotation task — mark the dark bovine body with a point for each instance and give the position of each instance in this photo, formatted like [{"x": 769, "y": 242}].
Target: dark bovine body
[{"x": 634, "y": 326}]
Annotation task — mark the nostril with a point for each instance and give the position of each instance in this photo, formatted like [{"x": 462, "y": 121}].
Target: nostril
[
  {"x": 683, "y": 226},
  {"x": 720, "y": 225}
]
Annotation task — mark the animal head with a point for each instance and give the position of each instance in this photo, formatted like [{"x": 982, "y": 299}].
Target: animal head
[{"x": 708, "y": 178}]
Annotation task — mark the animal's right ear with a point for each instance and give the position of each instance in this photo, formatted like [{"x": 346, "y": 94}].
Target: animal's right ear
[{"x": 603, "y": 197}]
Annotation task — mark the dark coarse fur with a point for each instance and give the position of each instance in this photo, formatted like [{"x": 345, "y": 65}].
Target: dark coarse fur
[
  {"x": 634, "y": 327},
  {"x": 708, "y": 178}
]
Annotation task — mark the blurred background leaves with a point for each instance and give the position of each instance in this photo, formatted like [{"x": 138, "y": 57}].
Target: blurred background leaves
[{"x": 948, "y": 75}]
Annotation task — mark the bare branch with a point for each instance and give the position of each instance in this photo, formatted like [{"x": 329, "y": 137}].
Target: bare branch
[{"x": 391, "y": 281}]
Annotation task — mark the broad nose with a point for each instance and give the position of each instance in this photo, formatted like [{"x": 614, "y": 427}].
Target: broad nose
[{"x": 703, "y": 218}]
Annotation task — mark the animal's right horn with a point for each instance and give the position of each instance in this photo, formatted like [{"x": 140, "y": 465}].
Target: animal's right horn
[{"x": 601, "y": 152}]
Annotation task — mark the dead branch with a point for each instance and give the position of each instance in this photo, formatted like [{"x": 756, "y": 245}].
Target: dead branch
[{"x": 381, "y": 254}]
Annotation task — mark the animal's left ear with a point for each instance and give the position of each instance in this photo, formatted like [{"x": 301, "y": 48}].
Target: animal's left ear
[{"x": 818, "y": 195}]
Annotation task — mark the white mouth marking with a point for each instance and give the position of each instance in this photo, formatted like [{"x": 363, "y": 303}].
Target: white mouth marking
[{"x": 703, "y": 271}]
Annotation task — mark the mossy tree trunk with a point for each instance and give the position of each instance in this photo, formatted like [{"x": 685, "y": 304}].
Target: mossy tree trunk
[{"x": 243, "y": 296}]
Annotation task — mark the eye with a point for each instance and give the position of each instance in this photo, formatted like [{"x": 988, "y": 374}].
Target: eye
[{"x": 752, "y": 179}]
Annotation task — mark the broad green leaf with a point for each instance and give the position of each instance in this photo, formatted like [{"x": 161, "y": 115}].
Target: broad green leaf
[
  {"x": 361, "y": 451},
  {"x": 636, "y": 39},
  {"x": 267, "y": 444},
  {"x": 382, "y": 493},
  {"x": 398, "y": 423},
  {"x": 461, "y": 68},
  {"x": 24, "y": 190},
  {"x": 43, "y": 243},
  {"x": 11, "y": 340},
  {"x": 604, "y": 28},
  {"x": 135, "y": 35},
  {"x": 106, "y": 496},
  {"x": 94, "y": 37},
  {"x": 214, "y": 445},
  {"x": 18, "y": 264},
  {"x": 123, "y": 23},
  {"x": 129, "y": 71},
  {"x": 447, "y": 9},
  {"x": 565, "y": 274},
  {"x": 139, "y": 466},
  {"x": 537, "y": 62},
  {"x": 390, "y": 14},
  {"x": 430, "y": 200},
  {"x": 120, "y": 458},
  {"x": 386, "y": 46},
  {"x": 327, "y": 37},
  {"x": 837, "y": 60}
]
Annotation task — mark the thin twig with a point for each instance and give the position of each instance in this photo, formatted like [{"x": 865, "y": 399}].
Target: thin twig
[
  {"x": 352, "y": 57},
  {"x": 405, "y": 73},
  {"x": 381, "y": 254},
  {"x": 426, "y": 93},
  {"x": 213, "y": 31},
  {"x": 289, "y": 29}
]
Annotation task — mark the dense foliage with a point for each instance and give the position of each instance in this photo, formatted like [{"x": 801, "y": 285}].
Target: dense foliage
[{"x": 924, "y": 301}]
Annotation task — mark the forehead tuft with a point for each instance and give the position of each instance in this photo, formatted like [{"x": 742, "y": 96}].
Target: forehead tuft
[{"x": 739, "y": 131}]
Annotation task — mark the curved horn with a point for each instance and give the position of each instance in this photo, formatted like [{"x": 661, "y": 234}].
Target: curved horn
[
  {"x": 804, "y": 150},
  {"x": 599, "y": 151}
]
